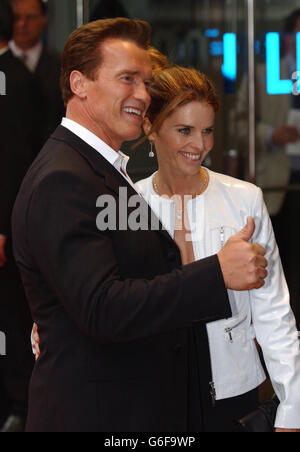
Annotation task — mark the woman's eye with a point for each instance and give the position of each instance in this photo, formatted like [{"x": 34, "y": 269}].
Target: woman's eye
[
  {"x": 208, "y": 131},
  {"x": 185, "y": 130}
]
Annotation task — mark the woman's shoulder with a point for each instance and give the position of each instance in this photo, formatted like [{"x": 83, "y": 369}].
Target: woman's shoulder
[{"x": 224, "y": 182}]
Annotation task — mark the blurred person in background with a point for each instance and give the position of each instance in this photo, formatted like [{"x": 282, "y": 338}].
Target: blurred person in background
[
  {"x": 276, "y": 168},
  {"x": 31, "y": 19},
  {"x": 19, "y": 145}
]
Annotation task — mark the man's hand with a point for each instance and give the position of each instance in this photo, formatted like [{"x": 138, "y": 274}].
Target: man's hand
[
  {"x": 283, "y": 135},
  {"x": 243, "y": 263},
  {"x": 35, "y": 341},
  {"x": 2, "y": 251},
  {"x": 286, "y": 430}
]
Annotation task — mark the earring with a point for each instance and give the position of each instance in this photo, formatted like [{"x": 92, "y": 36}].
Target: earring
[{"x": 151, "y": 153}]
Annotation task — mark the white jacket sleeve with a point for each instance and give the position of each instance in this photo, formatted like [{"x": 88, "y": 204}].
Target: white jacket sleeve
[{"x": 275, "y": 325}]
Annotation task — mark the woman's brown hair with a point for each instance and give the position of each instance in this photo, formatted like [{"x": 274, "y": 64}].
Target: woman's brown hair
[
  {"x": 159, "y": 61},
  {"x": 82, "y": 53},
  {"x": 176, "y": 86}
]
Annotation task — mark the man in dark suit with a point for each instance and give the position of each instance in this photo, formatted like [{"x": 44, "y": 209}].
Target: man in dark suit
[
  {"x": 19, "y": 145},
  {"x": 114, "y": 306},
  {"x": 31, "y": 18}
]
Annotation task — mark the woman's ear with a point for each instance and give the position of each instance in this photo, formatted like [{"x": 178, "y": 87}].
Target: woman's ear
[{"x": 147, "y": 126}]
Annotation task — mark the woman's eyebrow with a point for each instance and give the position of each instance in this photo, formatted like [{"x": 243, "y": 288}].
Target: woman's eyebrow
[
  {"x": 184, "y": 125},
  {"x": 192, "y": 127}
]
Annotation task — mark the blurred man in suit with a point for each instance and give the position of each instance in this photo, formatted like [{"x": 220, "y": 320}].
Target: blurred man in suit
[
  {"x": 31, "y": 18},
  {"x": 19, "y": 145}
]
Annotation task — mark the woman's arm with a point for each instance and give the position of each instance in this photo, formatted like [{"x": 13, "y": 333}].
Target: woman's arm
[{"x": 275, "y": 326}]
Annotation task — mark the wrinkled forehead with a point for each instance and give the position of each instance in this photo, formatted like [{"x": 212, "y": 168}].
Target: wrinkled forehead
[{"x": 124, "y": 55}]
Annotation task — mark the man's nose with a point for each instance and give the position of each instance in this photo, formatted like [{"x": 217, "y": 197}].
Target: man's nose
[
  {"x": 21, "y": 22},
  {"x": 141, "y": 93}
]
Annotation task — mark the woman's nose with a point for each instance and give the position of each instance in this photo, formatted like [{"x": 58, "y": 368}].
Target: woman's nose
[{"x": 198, "y": 143}]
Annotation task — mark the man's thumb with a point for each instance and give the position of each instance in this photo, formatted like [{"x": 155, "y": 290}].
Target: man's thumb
[{"x": 248, "y": 231}]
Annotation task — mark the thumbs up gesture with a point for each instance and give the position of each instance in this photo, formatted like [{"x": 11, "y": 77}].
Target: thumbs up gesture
[{"x": 243, "y": 264}]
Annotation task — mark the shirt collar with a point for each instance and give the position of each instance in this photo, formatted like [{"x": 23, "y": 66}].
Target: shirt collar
[
  {"x": 32, "y": 55},
  {"x": 117, "y": 159}
]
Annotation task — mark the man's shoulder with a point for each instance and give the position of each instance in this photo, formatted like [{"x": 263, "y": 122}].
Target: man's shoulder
[
  {"x": 60, "y": 156},
  {"x": 66, "y": 153}
]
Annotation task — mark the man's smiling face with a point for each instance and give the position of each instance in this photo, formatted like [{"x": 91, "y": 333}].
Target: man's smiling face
[{"x": 117, "y": 100}]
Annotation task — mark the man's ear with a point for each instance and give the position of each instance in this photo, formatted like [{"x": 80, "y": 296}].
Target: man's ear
[
  {"x": 78, "y": 84},
  {"x": 147, "y": 126}
]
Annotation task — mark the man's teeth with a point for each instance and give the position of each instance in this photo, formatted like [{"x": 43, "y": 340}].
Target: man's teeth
[
  {"x": 133, "y": 110},
  {"x": 192, "y": 156}
]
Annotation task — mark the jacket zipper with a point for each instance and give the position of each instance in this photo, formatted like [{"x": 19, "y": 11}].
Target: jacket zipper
[
  {"x": 222, "y": 236},
  {"x": 213, "y": 393},
  {"x": 229, "y": 330}
]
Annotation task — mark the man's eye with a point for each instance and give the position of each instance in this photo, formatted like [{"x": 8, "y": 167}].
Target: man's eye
[
  {"x": 185, "y": 130},
  {"x": 127, "y": 78}
]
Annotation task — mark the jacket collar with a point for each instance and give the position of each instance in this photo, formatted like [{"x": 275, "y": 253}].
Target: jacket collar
[{"x": 113, "y": 179}]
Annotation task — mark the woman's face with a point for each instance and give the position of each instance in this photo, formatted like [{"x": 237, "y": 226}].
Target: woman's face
[{"x": 185, "y": 138}]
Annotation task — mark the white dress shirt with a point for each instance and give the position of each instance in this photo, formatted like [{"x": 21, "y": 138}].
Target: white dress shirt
[
  {"x": 29, "y": 57},
  {"x": 116, "y": 159}
]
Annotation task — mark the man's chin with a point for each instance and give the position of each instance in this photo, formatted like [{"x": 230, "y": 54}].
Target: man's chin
[
  {"x": 134, "y": 136},
  {"x": 24, "y": 43}
]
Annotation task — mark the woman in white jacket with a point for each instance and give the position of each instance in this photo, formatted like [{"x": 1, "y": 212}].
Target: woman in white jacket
[{"x": 202, "y": 210}]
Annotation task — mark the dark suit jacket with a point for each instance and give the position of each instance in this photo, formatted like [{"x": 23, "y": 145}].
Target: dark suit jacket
[
  {"x": 19, "y": 137},
  {"x": 114, "y": 308},
  {"x": 47, "y": 76}
]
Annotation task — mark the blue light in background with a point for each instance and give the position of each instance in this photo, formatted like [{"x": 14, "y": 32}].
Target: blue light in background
[
  {"x": 257, "y": 47},
  {"x": 229, "y": 68},
  {"x": 216, "y": 48},
  {"x": 298, "y": 60},
  {"x": 229, "y": 49},
  {"x": 212, "y": 33},
  {"x": 274, "y": 84}
]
